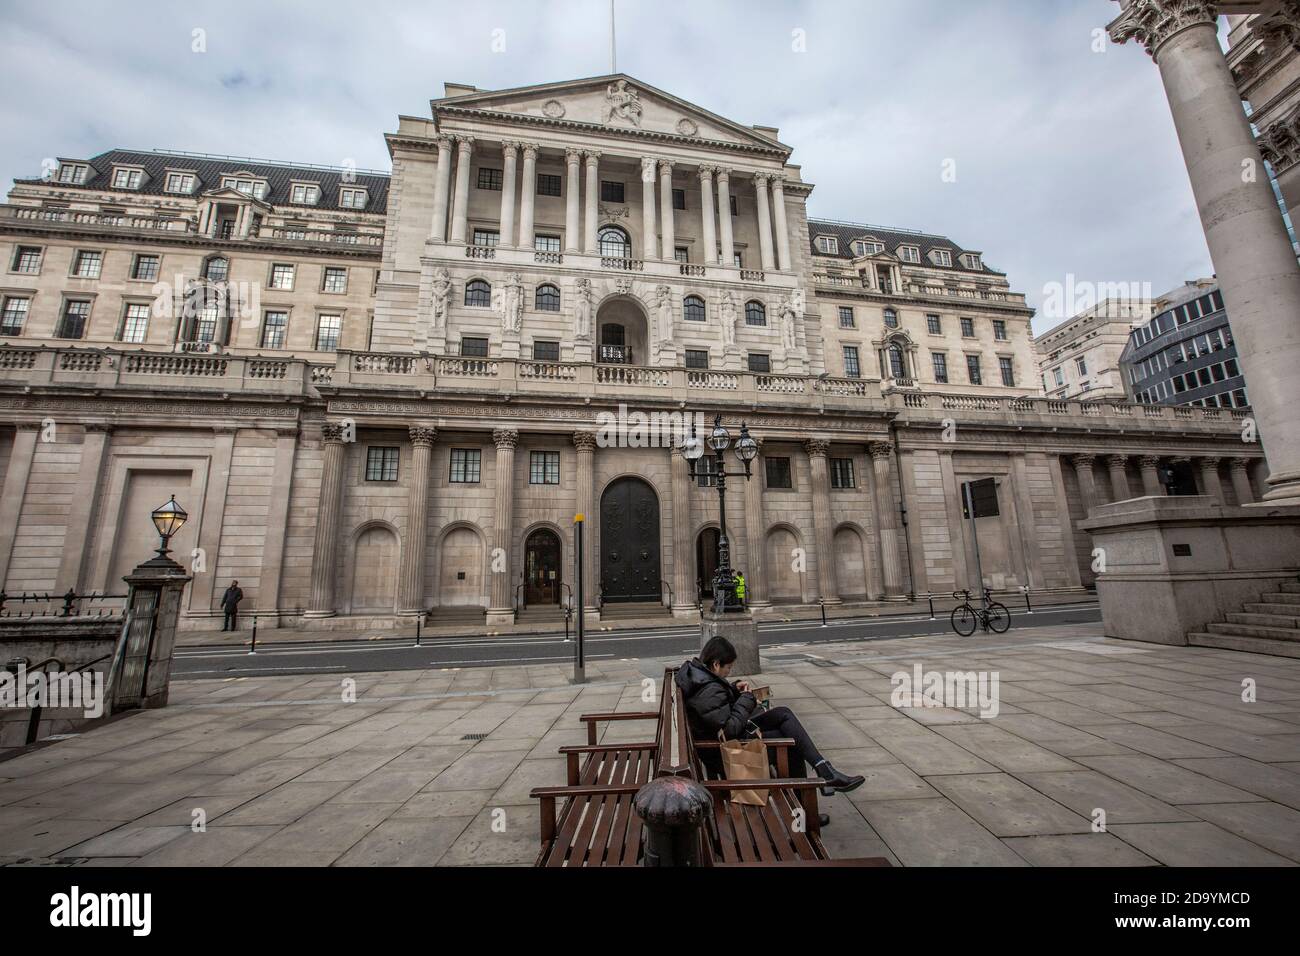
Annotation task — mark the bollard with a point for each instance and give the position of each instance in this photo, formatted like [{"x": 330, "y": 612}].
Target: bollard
[
  {"x": 418, "y": 621},
  {"x": 1028, "y": 608},
  {"x": 823, "y": 607},
  {"x": 674, "y": 810},
  {"x": 930, "y": 597},
  {"x": 252, "y": 648}
]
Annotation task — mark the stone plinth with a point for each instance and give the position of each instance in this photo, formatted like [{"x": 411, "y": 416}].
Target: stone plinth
[
  {"x": 1170, "y": 565},
  {"x": 741, "y": 630}
]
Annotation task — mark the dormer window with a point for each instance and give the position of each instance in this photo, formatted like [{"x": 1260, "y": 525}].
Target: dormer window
[
  {"x": 125, "y": 177},
  {"x": 180, "y": 183},
  {"x": 75, "y": 173},
  {"x": 867, "y": 247},
  {"x": 257, "y": 188},
  {"x": 909, "y": 254},
  {"x": 828, "y": 245},
  {"x": 305, "y": 194},
  {"x": 973, "y": 261},
  {"x": 942, "y": 257},
  {"x": 353, "y": 198}
]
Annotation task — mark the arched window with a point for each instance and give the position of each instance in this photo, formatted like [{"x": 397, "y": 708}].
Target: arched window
[
  {"x": 755, "y": 313},
  {"x": 217, "y": 269},
  {"x": 693, "y": 307},
  {"x": 478, "y": 292},
  {"x": 891, "y": 319},
  {"x": 547, "y": 298},
  {"x": 614, "y": 243},
  {"x": 897, "y": 362}
]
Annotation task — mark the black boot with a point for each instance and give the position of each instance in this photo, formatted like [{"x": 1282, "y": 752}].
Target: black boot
[
  {"x": 837, "y": 782},
  {"x": 824, "y": 819}
]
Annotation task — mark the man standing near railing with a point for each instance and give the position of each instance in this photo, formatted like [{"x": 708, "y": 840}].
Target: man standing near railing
[{"x": 230, "y": 605}]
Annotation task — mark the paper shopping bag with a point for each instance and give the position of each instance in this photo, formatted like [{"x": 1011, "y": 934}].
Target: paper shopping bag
[{"x": 745, "y": 760}]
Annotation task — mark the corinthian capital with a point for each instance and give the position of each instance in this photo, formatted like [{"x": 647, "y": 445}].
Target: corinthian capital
[
  {"x": 1154, "y": 22},
  {"x": 817, "y": 447},
  {"x": 422, "y": 434},
  {"x": 505, "y": 437}
]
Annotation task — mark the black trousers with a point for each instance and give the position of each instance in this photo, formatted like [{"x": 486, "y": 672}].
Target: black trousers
[
  {"x": 232, "y": 619},
  {"x": 781, "y": 722}
]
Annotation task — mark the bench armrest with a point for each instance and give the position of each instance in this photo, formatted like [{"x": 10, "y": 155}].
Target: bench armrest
[
  {"x": 607, "y": 748},
  {"x": 591, "y": 720},
  {"x": 593, "y": 790}
]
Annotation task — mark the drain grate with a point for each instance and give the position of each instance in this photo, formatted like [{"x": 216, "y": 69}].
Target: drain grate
[{"x": 474, "y": 737}]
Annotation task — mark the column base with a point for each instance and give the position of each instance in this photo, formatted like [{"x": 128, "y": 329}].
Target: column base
[
  {"x": 685, "y": 611},
  {"x": 760, "y": 607},
  {"x": 829, "y": 602},
  {"x": 412, "y": 612},
  {"x": 496, "y": 616},
  {"x": 895, "y": 597},
  {"x": 319, "y": 614},
  {"x": 741, "y": 631}
]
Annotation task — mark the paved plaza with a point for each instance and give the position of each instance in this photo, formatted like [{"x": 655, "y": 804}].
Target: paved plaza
[{"x": 434, "y": 767}]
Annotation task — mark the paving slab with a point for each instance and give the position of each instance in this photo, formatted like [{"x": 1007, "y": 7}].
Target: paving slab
[{"x": 1007, "y": 807}]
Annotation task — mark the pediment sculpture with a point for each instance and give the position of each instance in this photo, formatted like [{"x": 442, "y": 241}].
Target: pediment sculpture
[{"x": 622, "y": 102}]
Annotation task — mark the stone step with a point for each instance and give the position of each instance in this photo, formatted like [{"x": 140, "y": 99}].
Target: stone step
[
  {"x": 441, "y": 616},
  {"x": 1280, "y": 597},
  {"x": 1265, "y": 619},
  {"x": 1252, "y": 645},
  {"x": 1291, "y": 587},
  {"x": 1255, "y": 630},
  {"x": 1283, "y": 610},
  {"x": 633, "y": 609}
]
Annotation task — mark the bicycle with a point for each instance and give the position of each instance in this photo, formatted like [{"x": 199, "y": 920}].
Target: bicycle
[{"x": 992, "y": 616}]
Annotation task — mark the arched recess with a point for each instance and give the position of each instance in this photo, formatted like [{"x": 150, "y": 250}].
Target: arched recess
[
  {"x": 850, "y": 563},
  {"x": 785, "y": 557},
  {"x": 376, "y": 554},
  {"x": 622, "y": 327},
  {"x": 460, "y": 568}
]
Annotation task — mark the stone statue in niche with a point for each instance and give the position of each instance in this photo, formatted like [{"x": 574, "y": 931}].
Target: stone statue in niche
[
  {"x": 583, "y": 309},
  {"x": 512, "y": 304},
  {"x": 727, "y": 312},
  {"x": 664, "y": 308},
  {"x": 622, "y": 103},
  {"x": 789, "y": 315},
  {"x": 441, "y": 298}
]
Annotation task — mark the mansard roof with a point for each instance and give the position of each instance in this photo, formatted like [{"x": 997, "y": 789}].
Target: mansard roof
[
  {"x": 849, "y": 232},
  {"x": 211, "y": 169}
]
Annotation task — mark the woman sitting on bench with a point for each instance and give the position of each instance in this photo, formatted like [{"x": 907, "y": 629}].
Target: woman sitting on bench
[{"x": 713, "y": 705}]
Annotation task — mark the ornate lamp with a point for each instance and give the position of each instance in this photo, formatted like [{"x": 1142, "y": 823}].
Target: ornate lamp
[{"x": 168, "y": 519}]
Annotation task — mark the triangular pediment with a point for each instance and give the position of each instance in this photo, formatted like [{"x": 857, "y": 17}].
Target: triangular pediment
[{"x": 617, "y": 103}]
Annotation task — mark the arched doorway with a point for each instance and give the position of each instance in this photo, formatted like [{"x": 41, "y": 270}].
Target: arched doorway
[
  {"x": 460, "y": 569},
  {"x": 706, "y": 563},
  {"x": 784, "y": 567},
  {"x": 374, "y": 571},
  {"x": 621, "y": 324},
  {"x": 542, "y": 575},
  {"x": 850, "y": 565},
  {"x": 629, "y": 542}
]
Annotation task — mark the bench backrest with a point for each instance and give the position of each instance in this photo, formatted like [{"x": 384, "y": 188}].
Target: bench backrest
[{"x": 674, "y": 747}]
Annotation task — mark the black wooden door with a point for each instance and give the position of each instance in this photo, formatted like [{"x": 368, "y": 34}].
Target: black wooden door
[
  {"x": 629, "y": 542},
  {"x": 542, "y": 568}
]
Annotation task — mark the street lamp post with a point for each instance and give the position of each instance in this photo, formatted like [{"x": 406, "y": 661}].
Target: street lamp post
[{"x": 693, "y": 450}]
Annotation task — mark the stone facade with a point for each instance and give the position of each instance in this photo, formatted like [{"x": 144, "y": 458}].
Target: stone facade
[
  {"x": 401, "y": 405},
  {"x": 1080, "y": 357}
]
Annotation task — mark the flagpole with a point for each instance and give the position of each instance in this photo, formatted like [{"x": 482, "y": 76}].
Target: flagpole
[{"x": 613, "y": 51}]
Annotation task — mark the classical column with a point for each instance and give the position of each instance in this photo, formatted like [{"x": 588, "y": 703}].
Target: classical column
[
  {"x": 649, "y": 238},
  {"x": 585, "y": 443},
  {"x": 1151, "y": 486},
  {"x": 823, "y": 524},
  {"x": 1253, "y": 258},
  {"x": 764, "y": 221},
  {"x": 501, "y": 610},
  {"x": 778, "y": 212},
  {"x": 1210, "y": 483},
  {"x": 93, "y": 447},
  {"x": 684, "y": 591},
  {"x": 528, "y": 199},
  {"x": 328, "y": 515},
  {"x": 756, "y": 537},
  {"x": 1118, "y": 477},
  {"x": 411, "y": 590},
  {"x": 573, "y": 165},
  {"x": 460, "y": 220},
  {"x": 728, "y": 256},
  {"x": 441, "y": 189},
  {"x": 666, "y": 209},
  {"x": 15, "y": 490},
  {"x": 882, "y": 454},
  {"x": 592, "y": 158},
  {"x": 706, "y": 216},
  {"x": 277, "y": 521},
  {"x": 510, "y": 152},
  {"x": 1240, "y": 471},
  {"x": 1087, "y": 481}
]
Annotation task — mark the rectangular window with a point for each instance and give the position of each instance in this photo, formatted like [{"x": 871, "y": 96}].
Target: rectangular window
[
  {"x": 738, "y": 260},
  {"x": 1008, "y": 372},
  {"x": 846, "y": 317},
  {"x": 1231, "y": 367},
  {"x": 328, "y": 329},
  {"x": 126, "y": 179},
  {"x": 544, "y": 468},
  {"x": 828, "y": 245},
  {"x": 733, "y": 205},
  {"x": 281, "y": 276},
  {"x": 842, "y": 473},
  {"x": 27, "y": 259},
  {"x": 611, "y": 191},
  {"x": 466, "y": 466},
  {"x": 679, "y": 198},
  {"x": 145, "y": 268},
  {"x": 852, "y": 367},
  {"x": 1000, "y": 330},
  {"x": 546, "y": 243},
  {"x": 486, "y": 237},
  {"x": 352, "y": 198},
  {"x": 87, "y": 265},
  {"x": 778, "y": 472},
  {"x": 180, "y": 183},
  {"x": 1217, "y": 372},
  {"x": 1058, "y": 375},
  {"x": 14, "y": 316},
  {"x": 968, "y": 328},
  {"x": 381, "y": 463},
  {"x": 335, "y": 279},
  {"x": 973, "y": 369},
  {"x": 941, "y": 367},
  {"x": 72, "y": 325},
  {"x": 706, "y": 470},
  {"x": 697, "y": 358},
  {"x": 760, "y": 362},
  {"x": 909, "y": 254},
  {"x": 274, "y": 327},
  {"x": 474, "y": 347},
  {"x": 135, "y": 323},
  {"x": 933, "y": 325},
  {"x": 1203, "y": 376},
  {"x": 305, "y": 194},
  {"x": 548, "y": 184},
  {"x": 942, "y": 257},
  {"x": 681, "y": 254},
  {"x": 1239, "y": 398},
  {"x": 546, "y": 351},
  {"x": 489, "y": 179},
  {"x": 69, "y": 173}
]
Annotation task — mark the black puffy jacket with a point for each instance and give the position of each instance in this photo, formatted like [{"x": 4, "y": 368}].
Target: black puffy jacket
[{"x": 712, "y": 704}]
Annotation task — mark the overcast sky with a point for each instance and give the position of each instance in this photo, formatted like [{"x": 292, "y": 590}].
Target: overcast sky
[{"x": 1065, "y": 158}]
